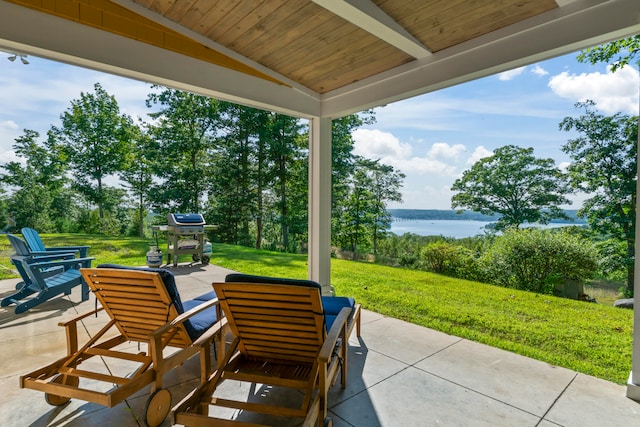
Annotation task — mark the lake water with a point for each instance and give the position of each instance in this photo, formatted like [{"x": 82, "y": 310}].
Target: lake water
[
  {"x": 448, "y": 228},
  {"x": 457, "y": 229}
]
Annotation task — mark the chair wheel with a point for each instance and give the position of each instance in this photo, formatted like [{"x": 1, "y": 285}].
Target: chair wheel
[
  {"x": 157, "y": 407},
  {"x": 55, "y": 400}
]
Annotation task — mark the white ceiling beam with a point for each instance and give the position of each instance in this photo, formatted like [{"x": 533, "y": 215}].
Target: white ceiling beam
[{"x": 373, "y": 20}]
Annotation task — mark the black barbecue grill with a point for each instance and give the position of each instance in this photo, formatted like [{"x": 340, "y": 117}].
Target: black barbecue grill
[{"x": 185, "y": 235}]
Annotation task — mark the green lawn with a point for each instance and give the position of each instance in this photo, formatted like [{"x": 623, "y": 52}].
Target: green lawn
[{"x": 591, "y": 338}]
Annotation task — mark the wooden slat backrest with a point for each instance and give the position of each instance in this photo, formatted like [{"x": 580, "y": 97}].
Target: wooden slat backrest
[
  {"x": 137, "y": 301},
  {"x": 279, "y": 322}
]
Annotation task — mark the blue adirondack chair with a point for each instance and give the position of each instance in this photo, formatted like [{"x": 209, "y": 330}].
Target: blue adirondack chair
[
  {"x": 21, "y": 248},
  {"x": 37, "y": 246},
  {"x": 44, "y": 277}
]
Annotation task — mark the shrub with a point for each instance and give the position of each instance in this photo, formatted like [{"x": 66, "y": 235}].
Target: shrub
[
  {"x": 613, "y": 259},
  {"x": 448, "y": 258},
  {"x": 537, "y": 260}
]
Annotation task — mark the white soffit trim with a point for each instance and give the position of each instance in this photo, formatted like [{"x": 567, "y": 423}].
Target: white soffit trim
[
  {"x": 373, "y": 20},
  {"x": 580, "y": 25}
]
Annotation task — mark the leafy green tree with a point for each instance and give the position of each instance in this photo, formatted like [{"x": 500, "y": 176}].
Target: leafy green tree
[
  {"x": 343, "y": 161},
  {"x": 184, "y": 133},
  {"x": 355, "y": 213},
  {"x": 95, "y": 139},
  {"x": 386, "y": 184},
  {"x": 237, "y": 161},
  {"x": 363, "y": 217},
  {"x": 137, "y": 174},
  {"x": 38, "y": 197},
  {"x": 619, "y": 53},
  {"x": 514, "y": 184},
  {"x": 605, "y": 167},
  {"x": 537, "y": 260},
  {"x": 286, "y": 157}
]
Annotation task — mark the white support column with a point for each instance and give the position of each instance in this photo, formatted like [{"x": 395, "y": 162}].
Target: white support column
[
  {"x": 320, "y": 202},
  {"x": 633, "y": 385}
]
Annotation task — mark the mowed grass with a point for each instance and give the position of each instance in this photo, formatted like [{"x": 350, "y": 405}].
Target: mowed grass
[
  {"x": 594, "y": 339},
  {"x": 590, "y": 338}
]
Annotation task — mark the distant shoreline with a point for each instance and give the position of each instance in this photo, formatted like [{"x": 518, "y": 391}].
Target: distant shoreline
[{"x": 441, "y": 214}]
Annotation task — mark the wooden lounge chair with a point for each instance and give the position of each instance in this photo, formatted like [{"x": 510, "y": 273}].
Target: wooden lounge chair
[
  {"x": 279, "y": 340},
  {"x": 143, "y": 306},
  {"x": 37, "y": 246},
  {"x": 43, "y": 276}
]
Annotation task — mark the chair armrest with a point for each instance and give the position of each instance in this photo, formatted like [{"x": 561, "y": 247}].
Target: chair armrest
[
  {"x": 82, "y": 249},
  {"x": 338, "y": 328},
  {"x": 64, "y": 262},
  {"x": 43, "y": 256},
  {"x": 79, "y": 317}
]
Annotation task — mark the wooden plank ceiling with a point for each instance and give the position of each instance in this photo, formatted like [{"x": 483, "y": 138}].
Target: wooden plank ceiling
[{"x": 312, "y": 44}]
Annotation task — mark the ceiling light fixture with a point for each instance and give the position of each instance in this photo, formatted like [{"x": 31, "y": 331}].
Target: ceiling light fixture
[{"x": 23, "y": 58}]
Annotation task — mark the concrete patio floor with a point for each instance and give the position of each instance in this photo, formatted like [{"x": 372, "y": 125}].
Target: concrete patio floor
[{"x": 399, "y": 375}]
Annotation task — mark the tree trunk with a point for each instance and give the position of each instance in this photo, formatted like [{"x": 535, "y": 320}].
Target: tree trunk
[
  {"x": 141, "y": 216},
  {"x": 630, "y": 269}
]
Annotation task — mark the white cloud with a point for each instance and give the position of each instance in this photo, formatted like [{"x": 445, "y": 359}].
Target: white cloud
[
  {"x": 376, "y": 144},
  {"x": 440, "y": 159},
  {"x": 479, "y": 153},
  {"x": 538, "y": 70},
  {"x": 442, "y": 150},
  {"x": 9, "y": 131},
  {"x": 612, "y": 92},
  {"x": 511, "y": 74}
]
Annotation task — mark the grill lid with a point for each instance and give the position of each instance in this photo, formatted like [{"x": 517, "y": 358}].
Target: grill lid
[{"x": 185, "y": 219}]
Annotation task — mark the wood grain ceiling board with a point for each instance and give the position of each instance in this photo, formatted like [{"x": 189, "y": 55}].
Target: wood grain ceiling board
[
  {"x": 440, "y": 24},
  {"x": 310, "y": 45},
  {"x": 296, "y": 38}
]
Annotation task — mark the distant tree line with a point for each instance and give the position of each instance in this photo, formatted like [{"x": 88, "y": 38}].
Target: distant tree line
[
  {"x": 245, "y": 170},
  {"x": 454, "y": 215}
]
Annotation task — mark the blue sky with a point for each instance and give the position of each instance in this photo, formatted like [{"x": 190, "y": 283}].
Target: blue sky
[{"x": 432, "y": 138}]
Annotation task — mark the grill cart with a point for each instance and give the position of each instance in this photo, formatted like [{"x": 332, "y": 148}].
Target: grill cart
[{"x": 185, "y": 236}]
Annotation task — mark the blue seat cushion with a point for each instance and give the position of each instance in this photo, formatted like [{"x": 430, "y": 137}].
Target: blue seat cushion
[
  {"x": 206, "y": 297},
  {"x": 331, "y": 306},
  {"x": 195, "y": 325}
]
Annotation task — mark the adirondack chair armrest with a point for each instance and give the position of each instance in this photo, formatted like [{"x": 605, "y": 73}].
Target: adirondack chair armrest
[
  {"x": 337, "y": 330},
  {"x": 83, "y": 250},
  {"x": 44, "y": 256},
  {"x": 66, "y": 263}
]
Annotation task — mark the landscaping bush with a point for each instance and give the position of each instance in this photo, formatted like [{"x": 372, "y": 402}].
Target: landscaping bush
[
  {"x": 537, "y": 260},
  {"x": 448, "y": 258}
]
